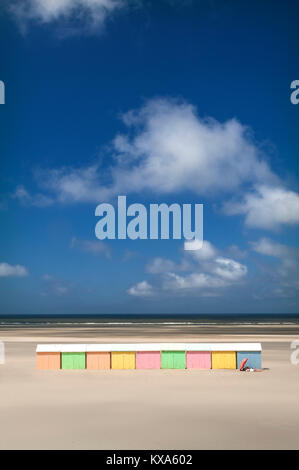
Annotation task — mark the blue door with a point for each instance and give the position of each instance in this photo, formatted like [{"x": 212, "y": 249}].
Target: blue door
[{"x": 254, "y": 359}]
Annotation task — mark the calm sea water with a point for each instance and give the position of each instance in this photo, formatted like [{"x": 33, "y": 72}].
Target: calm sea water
[{"x": 105, "y": 320}]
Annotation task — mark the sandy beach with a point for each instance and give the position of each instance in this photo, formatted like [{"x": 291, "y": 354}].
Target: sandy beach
[{"x": 159, "y": 409}]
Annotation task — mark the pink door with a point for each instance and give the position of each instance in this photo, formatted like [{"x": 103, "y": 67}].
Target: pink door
[
  {"x": 148, "y": 360},
  {"x": 198, "y": 360}
]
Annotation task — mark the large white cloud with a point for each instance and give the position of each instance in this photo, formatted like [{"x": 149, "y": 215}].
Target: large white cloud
[
  {"x": 172, "y": 149},
  {"x": 169, "y": 149},
  {"x": 7, "y": 270}
]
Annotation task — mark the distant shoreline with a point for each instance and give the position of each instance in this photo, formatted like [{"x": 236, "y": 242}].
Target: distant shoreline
[
  {"x": 142, "y": 326},
  {"x": 146, "y": 319},
  {"x": 144, "y": 331}
]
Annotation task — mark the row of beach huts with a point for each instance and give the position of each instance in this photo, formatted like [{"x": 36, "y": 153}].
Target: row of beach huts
[{"x": 148, "y": 356}]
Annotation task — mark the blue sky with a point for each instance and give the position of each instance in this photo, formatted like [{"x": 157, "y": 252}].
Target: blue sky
[{"x": 169, "y": 101}]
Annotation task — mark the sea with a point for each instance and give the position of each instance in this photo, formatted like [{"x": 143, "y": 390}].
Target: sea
[{"x": 103, "y": 320}]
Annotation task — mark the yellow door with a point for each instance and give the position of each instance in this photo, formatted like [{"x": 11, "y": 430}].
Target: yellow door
[
  {"x": 122, "y": 360},
  {"x": 129, "y": 360},
  {"x": 224, "y": 360}
]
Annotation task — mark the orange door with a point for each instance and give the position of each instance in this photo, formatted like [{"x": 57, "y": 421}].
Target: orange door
[
  {"x": 97, "y": 360},
  {"x": 48, "y": 360}
]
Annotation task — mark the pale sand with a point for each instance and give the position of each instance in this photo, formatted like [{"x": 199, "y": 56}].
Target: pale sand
[{"x": 160, "y": 409}]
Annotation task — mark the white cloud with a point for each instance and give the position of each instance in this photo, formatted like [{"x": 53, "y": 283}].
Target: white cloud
[
  {"x": 288, "y": 256},
  {"x": 197, "y": 281},
  {"x": 88, "y": 14},
  {"x": 53, "y": 286},
  {"x": 163, "y": 265},
  {"x": 235, "y": 252},
  {"x": 168, "y": 149},
  {"x": 267, "y": 207},
  {"x": 209, "y": 260},
  {"x": 282, "y": 277},
  {"x": 172, "y": 149},
  {"x": 10, "y": 270},
  {"x": 229, "y": 269},
  {"x": 61, "y": 289},
  {"x": 95, "y": 247},
  {"x": 201, "y": 250},
  {"x": 268, "y": 247},
  {"x": 160, "y": 265},
  {"x": 212, "y": 275},
  {"x": 39, "y": 200},
  {"x": 142, "y": 289},
  {"x": 73, "y": 185},
  {"x": 205, "y": 275}
]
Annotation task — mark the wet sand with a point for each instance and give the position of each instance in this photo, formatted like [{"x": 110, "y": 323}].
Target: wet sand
[{"x": 159, "y": 409}]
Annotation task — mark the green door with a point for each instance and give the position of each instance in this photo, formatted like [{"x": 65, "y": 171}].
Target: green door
[
  {"x": 173, "y": 360},
  {"x": 74, "y": 360}
]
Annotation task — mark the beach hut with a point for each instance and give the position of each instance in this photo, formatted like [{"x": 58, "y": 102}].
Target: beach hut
[
  {"x": 148, "y": 360},
  {"x": 224, "y": 355},
  {"x": 97, "y": 360},
  {"x": 48, "y": 357},
  {"x": 173, "y": 360},
  {"x": 73, "y": 356},
  {"x": 254, "y": 359},
  {"x": 148, "y": 356},
  {"x": 123, "y": 360},
  {"x": 97, "y": 357},
  {"x": 198, "y": 360},
  {"x": 198, "y": 356},
  {"x": 224, "y": 360}
]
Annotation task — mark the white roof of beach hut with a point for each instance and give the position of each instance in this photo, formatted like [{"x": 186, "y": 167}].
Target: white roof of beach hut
[
  {"x": 48, "y": 348},
  {"x": 235, "y": 347},
  {"x": 122, "y": 347},
  {"x": 198, "y": 347},
  {"x": 61, "y": 348},
  {"x": 72, "y": 348},
  {"x": 135, "y": 347}
]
